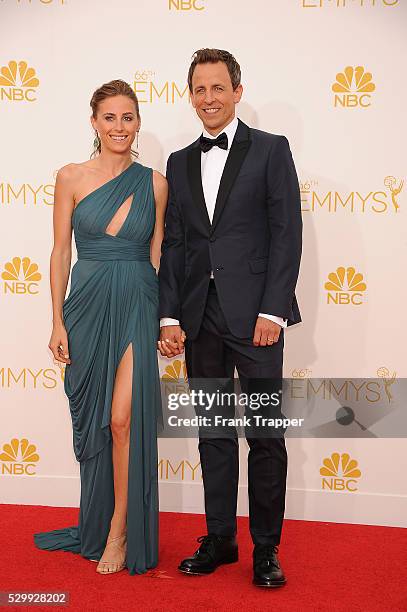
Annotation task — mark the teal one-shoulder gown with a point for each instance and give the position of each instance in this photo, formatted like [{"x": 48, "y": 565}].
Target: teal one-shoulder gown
[{"x": 113, "y": 301}]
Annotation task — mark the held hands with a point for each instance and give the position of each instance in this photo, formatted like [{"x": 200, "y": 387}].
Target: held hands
[
  {"x": 172, "y": 337},
  {"x": 59, "y": 344},
  {"x": 266, "y": 332},
  {"x": 171, "y": 342}
]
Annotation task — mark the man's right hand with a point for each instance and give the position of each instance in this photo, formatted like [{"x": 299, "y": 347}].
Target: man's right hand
[{"x": 171, "y": 342}]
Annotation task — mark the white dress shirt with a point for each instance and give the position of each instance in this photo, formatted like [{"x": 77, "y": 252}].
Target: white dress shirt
[{"x": 212, "y": 165}]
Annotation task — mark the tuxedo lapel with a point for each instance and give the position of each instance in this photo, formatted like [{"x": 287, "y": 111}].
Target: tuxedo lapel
[
  {"x": 238, "y": 151},
  {"x": 195, "y": 183}
]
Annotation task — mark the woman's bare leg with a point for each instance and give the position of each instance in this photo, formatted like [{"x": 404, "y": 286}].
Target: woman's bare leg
[{"x": 120, "y": 427}]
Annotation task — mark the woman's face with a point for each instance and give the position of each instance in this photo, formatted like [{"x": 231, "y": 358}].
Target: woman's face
[{"x": 117, "y": 123}]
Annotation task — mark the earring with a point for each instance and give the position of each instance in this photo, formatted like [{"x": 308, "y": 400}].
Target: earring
[
  {"x": 96, "y": 142},
  {"x": 137, "y": 140}
]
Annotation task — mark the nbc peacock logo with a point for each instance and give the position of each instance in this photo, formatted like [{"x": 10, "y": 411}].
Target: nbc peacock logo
[
  {"x": 19, "y": 457},
  {"x": 176, "y": 371},
  {"x": 353, "y": 88},
  {"x": 340, "y": 473},
  {"x": 21, "y": 277},
  {"x": 18, "y": 82},
  {"x": 175, "y": 378},
  {"x": 345, "y": 286}
]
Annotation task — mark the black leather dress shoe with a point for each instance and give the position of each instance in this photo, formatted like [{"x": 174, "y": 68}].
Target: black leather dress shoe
[
  {"x": 266, "y": 566},
  {"x": 213, "y": 551}
]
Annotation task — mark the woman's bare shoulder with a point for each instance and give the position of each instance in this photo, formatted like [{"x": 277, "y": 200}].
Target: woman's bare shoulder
[
  {"x": 74, "y": 172},
  {"x": 159, "y": 182}
]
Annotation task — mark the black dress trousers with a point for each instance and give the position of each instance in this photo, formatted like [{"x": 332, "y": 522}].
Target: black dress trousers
[{"x": 214, "y": 354}]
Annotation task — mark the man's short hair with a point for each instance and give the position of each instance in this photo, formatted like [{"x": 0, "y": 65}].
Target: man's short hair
[{"x": 212, "y": 56}]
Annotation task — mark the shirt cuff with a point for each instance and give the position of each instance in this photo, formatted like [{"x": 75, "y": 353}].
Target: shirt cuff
[
  {"x": 167, "y": 321},
  {"x": 279, "y": 320}
]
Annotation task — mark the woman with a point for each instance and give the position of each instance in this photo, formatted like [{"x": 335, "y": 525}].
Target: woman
[{"x": 106, "y": 333}]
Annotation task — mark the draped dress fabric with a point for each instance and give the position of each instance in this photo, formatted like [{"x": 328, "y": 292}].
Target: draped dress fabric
[{"x": 113, "y": 302}]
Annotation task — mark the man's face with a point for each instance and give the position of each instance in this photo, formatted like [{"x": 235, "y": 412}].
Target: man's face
[{"x": 213, "y": 96}]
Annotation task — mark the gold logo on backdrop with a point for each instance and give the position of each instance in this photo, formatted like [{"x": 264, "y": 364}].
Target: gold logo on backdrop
[
  {"x": 340, "y": 472},
  {"x": 344, "y": 390},
  {"x": 181, "y": 471},
  {"x": 21, "y": 276},
  {"x": 19, "y": 457},
  {"x": 174, "y": 370},
  {"x": 353, "y": 87},
  {"x": 175, "y": 378},
  {"x": 390, "y": 183},
  {"x": 32, "y": 378},
  {"x": 18, "y": 82},
  {"x": 355, "y": 79},
  {"x": 40, "y": 2},
  {"x": 314, "y": 199},
  {"x": 347, "y": 3},
  {"x": 26, "y": 194},
  {"x": 388, "y": 380},
  {"x": 186, "y": 5},
  {"x": 149, "y": 90},
  {"x": 301, "y": 373},
  {"x": 345, "y": 286},
  {"x": 62, "y": 369}
]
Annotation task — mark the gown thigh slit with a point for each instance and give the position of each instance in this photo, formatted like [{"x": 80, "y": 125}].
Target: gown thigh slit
[
  {"x": 112, "y": 303},
  {"x": 116, "y": 388},
  {"x": 123, "y": 389}
]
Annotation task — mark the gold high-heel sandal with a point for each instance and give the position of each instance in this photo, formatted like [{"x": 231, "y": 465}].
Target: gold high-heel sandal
[{"x": 113, "y": 541}]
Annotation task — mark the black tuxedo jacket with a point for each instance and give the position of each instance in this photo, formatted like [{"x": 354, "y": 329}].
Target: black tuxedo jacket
[{"x": 253, "y": 245}]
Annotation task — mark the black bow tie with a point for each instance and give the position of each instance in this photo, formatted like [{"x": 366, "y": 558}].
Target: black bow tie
[{"x": 207, "y": 143}]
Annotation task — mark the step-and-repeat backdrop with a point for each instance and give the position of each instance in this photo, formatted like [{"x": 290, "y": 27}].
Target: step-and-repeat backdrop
[{"x": 329, "y": 74}]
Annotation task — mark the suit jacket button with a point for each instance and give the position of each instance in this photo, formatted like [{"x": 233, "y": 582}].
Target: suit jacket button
[
  {"x": 212, "y": 239},
  {"x": 219, "y": 268}
]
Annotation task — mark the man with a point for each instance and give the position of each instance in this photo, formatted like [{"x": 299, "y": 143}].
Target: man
[{"x": 229, "y": 267}]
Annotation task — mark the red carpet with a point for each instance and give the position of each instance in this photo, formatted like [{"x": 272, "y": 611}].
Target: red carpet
[{"x": 328, "y": 566}]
